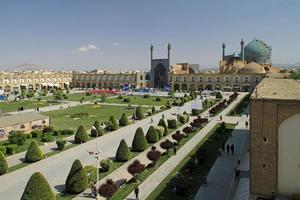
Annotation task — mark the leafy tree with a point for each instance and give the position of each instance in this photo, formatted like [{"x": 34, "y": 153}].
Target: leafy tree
[
  {"x": 37, "y": 188},
  {"x": 16, "y": 137},
  {"x": 77, "y": 179},
  {"x": 153, "y": 155},
  {"x": 103, "y": 97},
  {"x": 124, "y": 120},
  {"x": 61, "y": 144},
  {"x": 81, "y": 135},
  {"x": 152, "y": 135},
  {"x": 105, "y": 164},
  {"x": 108, "y": 189},
  {"x": 113, "y": 123},
  {"x": 30, "y": 94},
  {"x": 3, "y": 164},
  {"x": 23, "y": 93},
  {"x": 139, "y": 142},
  {"x": 123, "y": 152},
  {"x": 135, "y": 169},
  {"x": 33, "y": 153},
  {"x": 219, "y": 95},
  {"x": 139, "y": 113}
]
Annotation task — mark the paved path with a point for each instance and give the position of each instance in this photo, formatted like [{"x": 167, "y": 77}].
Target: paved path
[
  {"x": 56, "y": 168},
  {"x": 163, "y": 171}
]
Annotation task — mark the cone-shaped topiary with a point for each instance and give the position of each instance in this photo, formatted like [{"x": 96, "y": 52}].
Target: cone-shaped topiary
[
  {"x": 139, "y": 113},
  {"x": 33, "y": 153},
  {"x": 77, "y": 180},
  {"x": 37, "y": 188},
  {"x": 97, "y": 124},
  {"x": 123, "y": 152},
  {"x": 114, "y": 124},
  {"x": 153, "y": 110},
  {"x": 81, "y": 135},
  {"x": 3, "y": 164},
  {"x": 160, "y": 131},
  {"x": 163, "y": 124},
  {"x": 152, "y": 135},
  {"x": 124, "y": 120},
  {"x": 139, "y": 142}
]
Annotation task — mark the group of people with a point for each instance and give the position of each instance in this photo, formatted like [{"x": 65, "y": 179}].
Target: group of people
[{"x": 228, "y": 148}]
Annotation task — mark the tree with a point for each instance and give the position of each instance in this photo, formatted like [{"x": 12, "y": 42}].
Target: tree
[
  {"x": 81, "y": 135},
  {"x": 139, "y": 113},
  {"x": 135, "y": 169},
  {"x": 123, "y": 152},
  {"x": 124, "y": 120},
  {"x": 30, "y": 94},
  {"x": 108, "y": 189},
  {"x": 97, "y": 124},
  {"x": 139, "y": 142},
  {"x": 163, "y": 124},
  {"x": 171, "y": 93},
  {"x": 33, "y": 153},
  {"x": 153, "y": 110},
  {"x": 61, "y": 144},
  {"x": 16, "y": 137},
  {"x": 77, "y": 179},
  {"x": 113, "y": 123},
  {"x": 23, "y": 93},
  {"x": 3, "y": 164},
  {"x": 153, "y": 155},
  {"x": 152, "y": 135},
  {"x": 105, "y": 164},
  {"x": 103, "y": 97},
  {"x": 219, "y": 95},
  {"x": 37, "y": 188}
]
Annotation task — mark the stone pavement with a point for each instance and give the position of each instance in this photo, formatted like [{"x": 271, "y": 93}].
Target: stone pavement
[{"x": 147, "y": 186}]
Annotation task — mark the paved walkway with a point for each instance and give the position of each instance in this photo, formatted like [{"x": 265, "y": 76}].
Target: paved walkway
[{"x": 147, "y": 186}]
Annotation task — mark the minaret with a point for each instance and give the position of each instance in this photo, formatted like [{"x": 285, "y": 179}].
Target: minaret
[
  {"x": 151, "y": 51},
  {"x": 223, "y": 53},
  {"x": 169, "y": 48},
  {"x": 242, "y": 50}
]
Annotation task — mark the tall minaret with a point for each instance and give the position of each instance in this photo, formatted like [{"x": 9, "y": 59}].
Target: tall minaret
[
  {"x": 169, "y": 49},
  {"x": 242, "y": 50},
  {"x": 151, "y": 51},
  {"x": 223, "y": 53}
]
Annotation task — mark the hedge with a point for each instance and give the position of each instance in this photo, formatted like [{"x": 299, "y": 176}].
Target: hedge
[
  {"x": 123, "y": 152},
  {"x": 81, "y": 135},
  {"x": 196, "y": 111},
  {"x": 77, "y": 179},
  {"x": 124, "y": 120},
  {"x": 152, "y": 135},
  {"x": 36, "y": 133},
  {"x": 47, "y": 138},
  {"x": 37, "y": 188},
  {"x": 3, "y": 164},
  {"x": 172, "y": 123},
  {"x": 67, "y": 132},
  {"x": 11, "y": 149},
  {"x": 139, "y": 142},
  {"x": 33, "y": 153}
]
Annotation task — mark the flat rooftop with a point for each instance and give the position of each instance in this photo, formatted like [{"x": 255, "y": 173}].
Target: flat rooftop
[
  {"x": 15, "y": 119},
  {"x": 279, "y": 89}
]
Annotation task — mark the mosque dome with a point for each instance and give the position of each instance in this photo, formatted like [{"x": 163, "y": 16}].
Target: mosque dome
[
  {"x": 252, "y": 68},
  {"x": 258, "y": 51}
]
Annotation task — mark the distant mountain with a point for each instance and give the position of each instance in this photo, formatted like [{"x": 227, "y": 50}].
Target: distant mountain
[
  {"x": 26, "y": 67},
  {"x": 288, "y": 65}
]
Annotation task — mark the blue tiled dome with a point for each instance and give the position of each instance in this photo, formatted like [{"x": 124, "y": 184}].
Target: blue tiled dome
[{"x": 257, "y": 51}]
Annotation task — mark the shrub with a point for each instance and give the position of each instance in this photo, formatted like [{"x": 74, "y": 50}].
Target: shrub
[
  {"x": 56, "y": 132},
  {"x": 160, "y": 131},
  {"x": 177, "y": 136},
  {"x": 99, "y": 131},
  {"x": 36, "y": 133},
  {"x": 113, "y": 123},
  {"x": 157, "y": 99},
  {"x": 81, "y": 135},
  {"x": 182, "y": 118},
  {"x": 37, "y": 188},
  {"x": 61, "y": 144},
  {"x": 167, "y": 144},
  {"x": 33, "y": 153},
  {"x": 146, "y": 96},
  {"x": 219, "y": 95},
  {"x": 163, "y": 108},
  {"x": 168, "y": 105},
  {"x": 47, "y": 138},
  {"x": 139, "y": 142},
  {"x": 123, "y": 153},
  {"x": 67, "y": 132},
  {"x": 120, "y": 97},
  {"x": 3, "y": 149},
  {"x": 124, "y": 120},
  {"x": 3, "y": 164},
  {"x": 105, "y": 164},
  {"x": 135, "y": 169},
  {"x": 126, "y": 100},
  {"x": 108, "y": 189},
  {"x": 11, "y": 149},
  {"x": 139, "y": 113},
  {"x": 172, "y": 123},
  {"x": 153, "y": 110},
  {"x": 196, "y": 111},
  {"x": 77, "y": 180},
  {"x": 48, "y": 129},
  {"x": 153, "y": 155},
  {"x": 16, "y": 137},
  {"x": 152, "y": 135},
  {"x": 163, "y": 124},
  {"x": 97, "y": 124}
]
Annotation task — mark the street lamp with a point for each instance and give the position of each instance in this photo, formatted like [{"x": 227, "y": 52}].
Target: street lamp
[{"x": 97, "y": 160}]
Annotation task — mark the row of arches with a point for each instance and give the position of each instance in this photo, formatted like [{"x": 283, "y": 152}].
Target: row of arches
[{"x": 201, "y": 87}]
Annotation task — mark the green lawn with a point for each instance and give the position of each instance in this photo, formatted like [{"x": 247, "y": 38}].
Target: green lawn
[
  {"x": 140, "y": 100},
  {"x": 180, "y": 174},
  {"x": 75, "y": 97},
  {"x": 62, "y": 119},
  {"x": 9, "y": 106}
]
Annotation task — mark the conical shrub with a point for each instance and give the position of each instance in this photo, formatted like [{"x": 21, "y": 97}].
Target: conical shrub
[
  {"x": 33, "y": 153},
  {"x": 37, "y": 188},
  {"x": 114, "y": 124},
  {"x": 153, "y": 110},
  {"x": 152, "y": 135},
  {"x": 124, "y": 120},
  {"x": 81, "y": 135},
  {"x": 163, "y": 124},
  {"x": 77, "y": 180},
  {"x": 139, "y": 142},
  {"x": 139, "y": 113},
  {"x": 97, "y": 124},
  {"x": 123, "y": 152},
  {"x": 3, "y": 164}
]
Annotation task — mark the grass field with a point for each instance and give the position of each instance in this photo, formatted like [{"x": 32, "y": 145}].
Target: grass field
[
  {"x": 74, "y": 97},
  {"x": 62, "y": 119},
  {"x": 9, "y": 106},
  {"x": 140, "y": 100}
]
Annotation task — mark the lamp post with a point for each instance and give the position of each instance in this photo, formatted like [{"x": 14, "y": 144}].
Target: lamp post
[{"x": 97, "y": 160}]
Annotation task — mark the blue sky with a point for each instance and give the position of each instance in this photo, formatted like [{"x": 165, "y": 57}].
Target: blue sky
[{"x": 79, "y": 34}]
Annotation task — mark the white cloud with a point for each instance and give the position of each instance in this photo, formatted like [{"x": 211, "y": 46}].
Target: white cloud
[
  {"x": 115, "y": 44},
  {"x": 88, "y": 48}
]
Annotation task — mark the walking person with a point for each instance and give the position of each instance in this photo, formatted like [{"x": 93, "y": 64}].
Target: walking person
[
  {"x": 163, "y": 116},
  {"x": 151, "y": 120},
  {"x": 246, "y": 123},
  {"x": 221, "y": 117},
  {"x": 232, "y": 149},
  {"x": 227, "y": 148},
  {"x": 174, "y": 148},
  {"x": 223, "y": 147},
  {"x": 136, "y": 192}
]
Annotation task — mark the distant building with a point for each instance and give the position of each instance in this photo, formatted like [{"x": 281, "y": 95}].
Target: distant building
[
  {"x": 275, "y": 138},
  {"x": 25, "y": 122}
]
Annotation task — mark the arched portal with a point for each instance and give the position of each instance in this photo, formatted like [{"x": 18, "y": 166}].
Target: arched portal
[
  {"x": 289, "y": 156},
  {"x": 160, "y": 76},
  {"x": 183, "y": 87}
]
